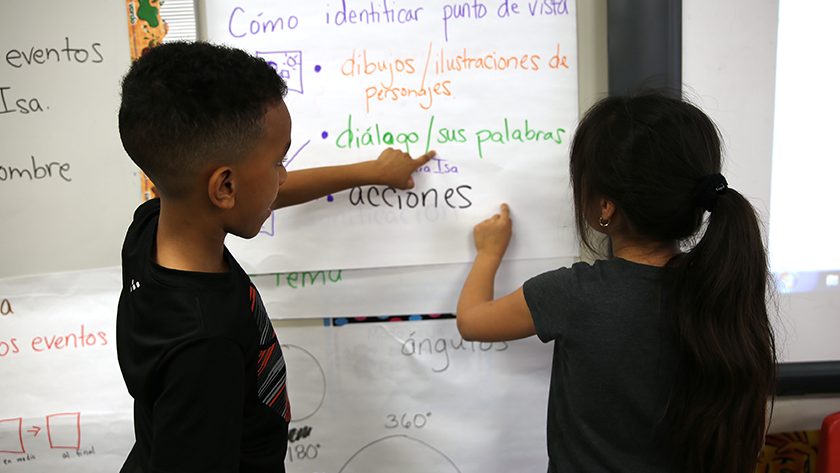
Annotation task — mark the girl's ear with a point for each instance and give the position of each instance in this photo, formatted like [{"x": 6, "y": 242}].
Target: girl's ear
[
  {"x": 607, "y": 208},
  {"x": 221, "y": 188}
]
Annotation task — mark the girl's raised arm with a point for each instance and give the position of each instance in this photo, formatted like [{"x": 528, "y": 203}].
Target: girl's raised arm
[{"x": 479, "y": 316}]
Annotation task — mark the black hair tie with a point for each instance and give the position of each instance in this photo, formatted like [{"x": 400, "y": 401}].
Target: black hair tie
[{"x": 707, "y": 190}]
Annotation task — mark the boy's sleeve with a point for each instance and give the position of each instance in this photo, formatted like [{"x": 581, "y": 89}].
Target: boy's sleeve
[{"x": 198, "y": 416}]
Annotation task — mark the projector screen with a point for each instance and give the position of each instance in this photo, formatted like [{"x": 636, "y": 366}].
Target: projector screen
[
  {"x": 805, "y": 168},
  {"x": 763, "y": 71},
  {"x": 803, "y": 226}
]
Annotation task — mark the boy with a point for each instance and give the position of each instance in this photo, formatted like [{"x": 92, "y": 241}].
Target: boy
[{"x": 209, "y": 126}]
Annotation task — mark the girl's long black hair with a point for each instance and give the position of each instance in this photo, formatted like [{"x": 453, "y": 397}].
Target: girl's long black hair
[{"x": 647, "y": 154}]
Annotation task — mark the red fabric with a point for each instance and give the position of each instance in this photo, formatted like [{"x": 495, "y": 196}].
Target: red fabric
[{"x": 828, "y": 452}]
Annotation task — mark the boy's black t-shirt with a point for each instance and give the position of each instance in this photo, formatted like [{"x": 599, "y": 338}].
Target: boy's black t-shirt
[{"x": 200, "y": 358}]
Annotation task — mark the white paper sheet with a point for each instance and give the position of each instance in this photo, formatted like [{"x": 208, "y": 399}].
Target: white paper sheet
[
  {"x": 372, "y": 397},
  {"x": 491, "y": 87},
  {"x": 65, "y": 407},
  {"x": 414, "y": 397},
  {"x": 67, "y": 188},
  {"x": 429, "y": 289}
]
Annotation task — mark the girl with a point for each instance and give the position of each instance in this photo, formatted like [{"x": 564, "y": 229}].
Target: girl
[{"x": 664, "y": 360}]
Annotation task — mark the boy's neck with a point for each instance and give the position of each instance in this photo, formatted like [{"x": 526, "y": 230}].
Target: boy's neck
[{"x": 189, "y": 241}]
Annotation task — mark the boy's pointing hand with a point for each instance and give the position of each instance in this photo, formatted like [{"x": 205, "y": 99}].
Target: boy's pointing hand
[{"x": 395, "y": 168}]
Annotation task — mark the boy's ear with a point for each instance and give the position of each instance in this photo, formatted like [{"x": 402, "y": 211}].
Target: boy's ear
[{"x": 221, "y": 188}]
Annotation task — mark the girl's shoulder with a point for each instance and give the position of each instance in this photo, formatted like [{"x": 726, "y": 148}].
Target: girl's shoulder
[
  {"x": 615, "y": 268},
  {"x": 583, "y": 277}
]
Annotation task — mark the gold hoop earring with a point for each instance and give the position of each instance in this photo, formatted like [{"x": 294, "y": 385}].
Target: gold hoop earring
[{"x": 602, "y": 223}]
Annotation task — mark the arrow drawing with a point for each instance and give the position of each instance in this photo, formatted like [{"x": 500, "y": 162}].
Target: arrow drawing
[{"x": 37, "y": 429}]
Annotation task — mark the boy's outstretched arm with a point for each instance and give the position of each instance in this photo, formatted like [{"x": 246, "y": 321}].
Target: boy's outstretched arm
[
  {"x": 393, "y": 168},
  {"x": 479, "y": 316}
]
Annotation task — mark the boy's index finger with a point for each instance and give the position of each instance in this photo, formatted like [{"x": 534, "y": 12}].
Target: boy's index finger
[
  {"x": 425, "y": 158},
  {"x": 505, "y": 211}
]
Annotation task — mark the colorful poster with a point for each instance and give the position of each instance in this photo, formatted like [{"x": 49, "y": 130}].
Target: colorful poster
[{"x": 491, "y": 86}]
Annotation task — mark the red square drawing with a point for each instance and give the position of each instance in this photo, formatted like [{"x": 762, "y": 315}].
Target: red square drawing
[
  {"x": 11, "y": 435},
  {"x": 65, "y": 430}
]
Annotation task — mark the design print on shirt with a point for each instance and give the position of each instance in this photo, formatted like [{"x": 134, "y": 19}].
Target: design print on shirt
[{"x": 271, "y": 367}]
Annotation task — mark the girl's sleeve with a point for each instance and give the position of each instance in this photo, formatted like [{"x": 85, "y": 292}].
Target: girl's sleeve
[
  {"x": 561, "y": 299},
  {"x": 548, "y": 300}
]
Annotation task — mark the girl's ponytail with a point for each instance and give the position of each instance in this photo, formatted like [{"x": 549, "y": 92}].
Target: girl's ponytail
[{"x": 727, "y": 358}]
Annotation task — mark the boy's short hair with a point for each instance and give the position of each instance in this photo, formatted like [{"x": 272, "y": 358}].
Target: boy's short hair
[{"x": 186, "y": 105}]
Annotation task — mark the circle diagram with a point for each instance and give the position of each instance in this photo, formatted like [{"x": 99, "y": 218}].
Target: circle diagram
[
  {"x": 399, "y": 453},
  {"x": 306, "y": 382}
]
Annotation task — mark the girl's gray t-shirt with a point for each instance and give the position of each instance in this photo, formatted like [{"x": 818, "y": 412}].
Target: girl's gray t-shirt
[{"x": 613, "y": 365}]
